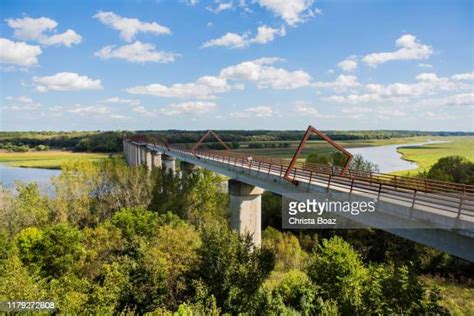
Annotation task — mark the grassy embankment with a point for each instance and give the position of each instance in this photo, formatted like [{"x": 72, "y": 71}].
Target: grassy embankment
[
  {"x": 52, "y": 159},
  {"x": 427, "y": 155}
]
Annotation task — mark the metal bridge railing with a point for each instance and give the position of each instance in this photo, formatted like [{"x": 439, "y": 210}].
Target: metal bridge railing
[{"x": 444, "y": 196}]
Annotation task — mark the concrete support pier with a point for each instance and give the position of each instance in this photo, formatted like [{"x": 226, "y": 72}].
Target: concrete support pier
[
  {"x": 156, "y": 159},
  {"x": 169, "y": 163},
  {"x": 148, "y": 159},
  {"x": 246, "y": 209},
  {"x": 142, "y": 154},
  {"x": 133, "y": 154},
  {"x": 137, "y": 155},
  {"x": 187, "y": 168}
]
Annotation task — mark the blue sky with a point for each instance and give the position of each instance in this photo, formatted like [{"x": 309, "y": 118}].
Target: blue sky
[{"x": 242, "y": 64}]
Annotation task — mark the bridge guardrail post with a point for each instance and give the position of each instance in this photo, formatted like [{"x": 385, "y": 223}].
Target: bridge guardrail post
[
  {"x": 380, "y": 191},
  {"x": 461, "y": 201},
  {"x": 414, "y": 199},
  {"x": 329, "y": 182}
]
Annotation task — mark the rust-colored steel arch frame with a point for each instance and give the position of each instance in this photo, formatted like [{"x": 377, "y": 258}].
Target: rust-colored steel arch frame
[
  {"x": 311, "y": 130},
  {"x": 209, "y": 132}
]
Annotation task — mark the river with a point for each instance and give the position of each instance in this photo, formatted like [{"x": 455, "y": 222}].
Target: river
[
  {"x": 9, "y": 175},
  {"x": 387, "y": 157}
]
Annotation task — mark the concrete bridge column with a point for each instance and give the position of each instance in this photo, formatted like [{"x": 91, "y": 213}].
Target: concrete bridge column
[
  {"x": 136, "y": 150},
  {"x": 246, "y": 209},
  {"x": 148, "y": 159},
  {"x": 169, "y": 163},
  {"x": 142, "y": 154},
  {"x": 156, "y": 159},
  {"x": 130, "y": 153},
  {"x": 125, "y": 151}
]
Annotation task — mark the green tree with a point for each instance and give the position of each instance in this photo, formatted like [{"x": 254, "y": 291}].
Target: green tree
[
  {"x": 319, "y": 158},
  {"x": 287, "y": 249},
  {"x": 397, "y": 290},
  {"x": 453, "y": 169},
  {"x": 360, "y": 164},
  {"x": 296, "y": 291},
  {"x": 53, "y": 250},
  {"x": 27, "y": 208},
  {"x": 168, "y": 261},
  {"x": 88, "y": 192},
  {"x": 230, "y": 268},
  {"x": 338, "y": 272},
  {"x": 16, "y": 283}
]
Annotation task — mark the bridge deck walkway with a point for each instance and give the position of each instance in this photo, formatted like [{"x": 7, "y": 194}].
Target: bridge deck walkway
[{"x": 453, "y": 204}]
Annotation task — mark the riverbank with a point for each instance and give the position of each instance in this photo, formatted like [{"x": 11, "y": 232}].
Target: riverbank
[
  {"x": 427, "y": 155},
  {"x": 52, "y": 159}
]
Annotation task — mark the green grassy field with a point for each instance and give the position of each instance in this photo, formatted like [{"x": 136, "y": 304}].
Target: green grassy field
[
  {"x": 458, "y": 298},
  {"x": 48, "y": 160},
  {"x": 323, "y": 147},
  {"x": 427, "y": 155}
]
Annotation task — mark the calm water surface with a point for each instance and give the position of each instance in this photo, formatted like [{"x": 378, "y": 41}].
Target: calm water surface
[
  {"x": 387, "y": 157},
  {"x": 9, "y": 175}
]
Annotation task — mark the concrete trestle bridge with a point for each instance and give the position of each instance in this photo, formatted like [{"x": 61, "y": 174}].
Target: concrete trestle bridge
[{"x": 434, "y": 213}]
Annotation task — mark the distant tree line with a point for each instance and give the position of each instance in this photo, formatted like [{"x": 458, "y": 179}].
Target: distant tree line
[
  {"x": 269, "y": 145},
  {"x": 111, "y": 141},
  {"x": 22, "y": 148}
]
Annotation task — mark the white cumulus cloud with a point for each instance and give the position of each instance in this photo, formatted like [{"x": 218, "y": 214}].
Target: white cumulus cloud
[
  {"x": 232, "y": 40},
  {"x": 348, "y": 64},
  {"x": 221, "y": 6},
  {"x": 266, "y": 75},
  {"x": 18, "y": 53},
  {"x": 261, "y": 71},
  {"x": 117, "y": 100},
  {"x": 461, "y": 99},
  {"x": 21, "y": 103},
  {"x": 342, "y": 82},
  {"x": 192, "y": 107},
  {"x": 258, "y": 111},
  {"x": 204, "y": 88},
  {"x": 42, "y": 31},
  {"x": 129, "y": 27},
  {"x": 87, "y": 110},
  {"x": 265, "y": 34},
  {"x": 464, "y": 76},
  {"x": 306, "y": 109},
  {"x": 426, "y": 85},
  {"x": 291, "y": 11},
  {"x": 66, "y": 81},
  {"x": 137, "y": 52},
  {"x": 410, "y": 49}
]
